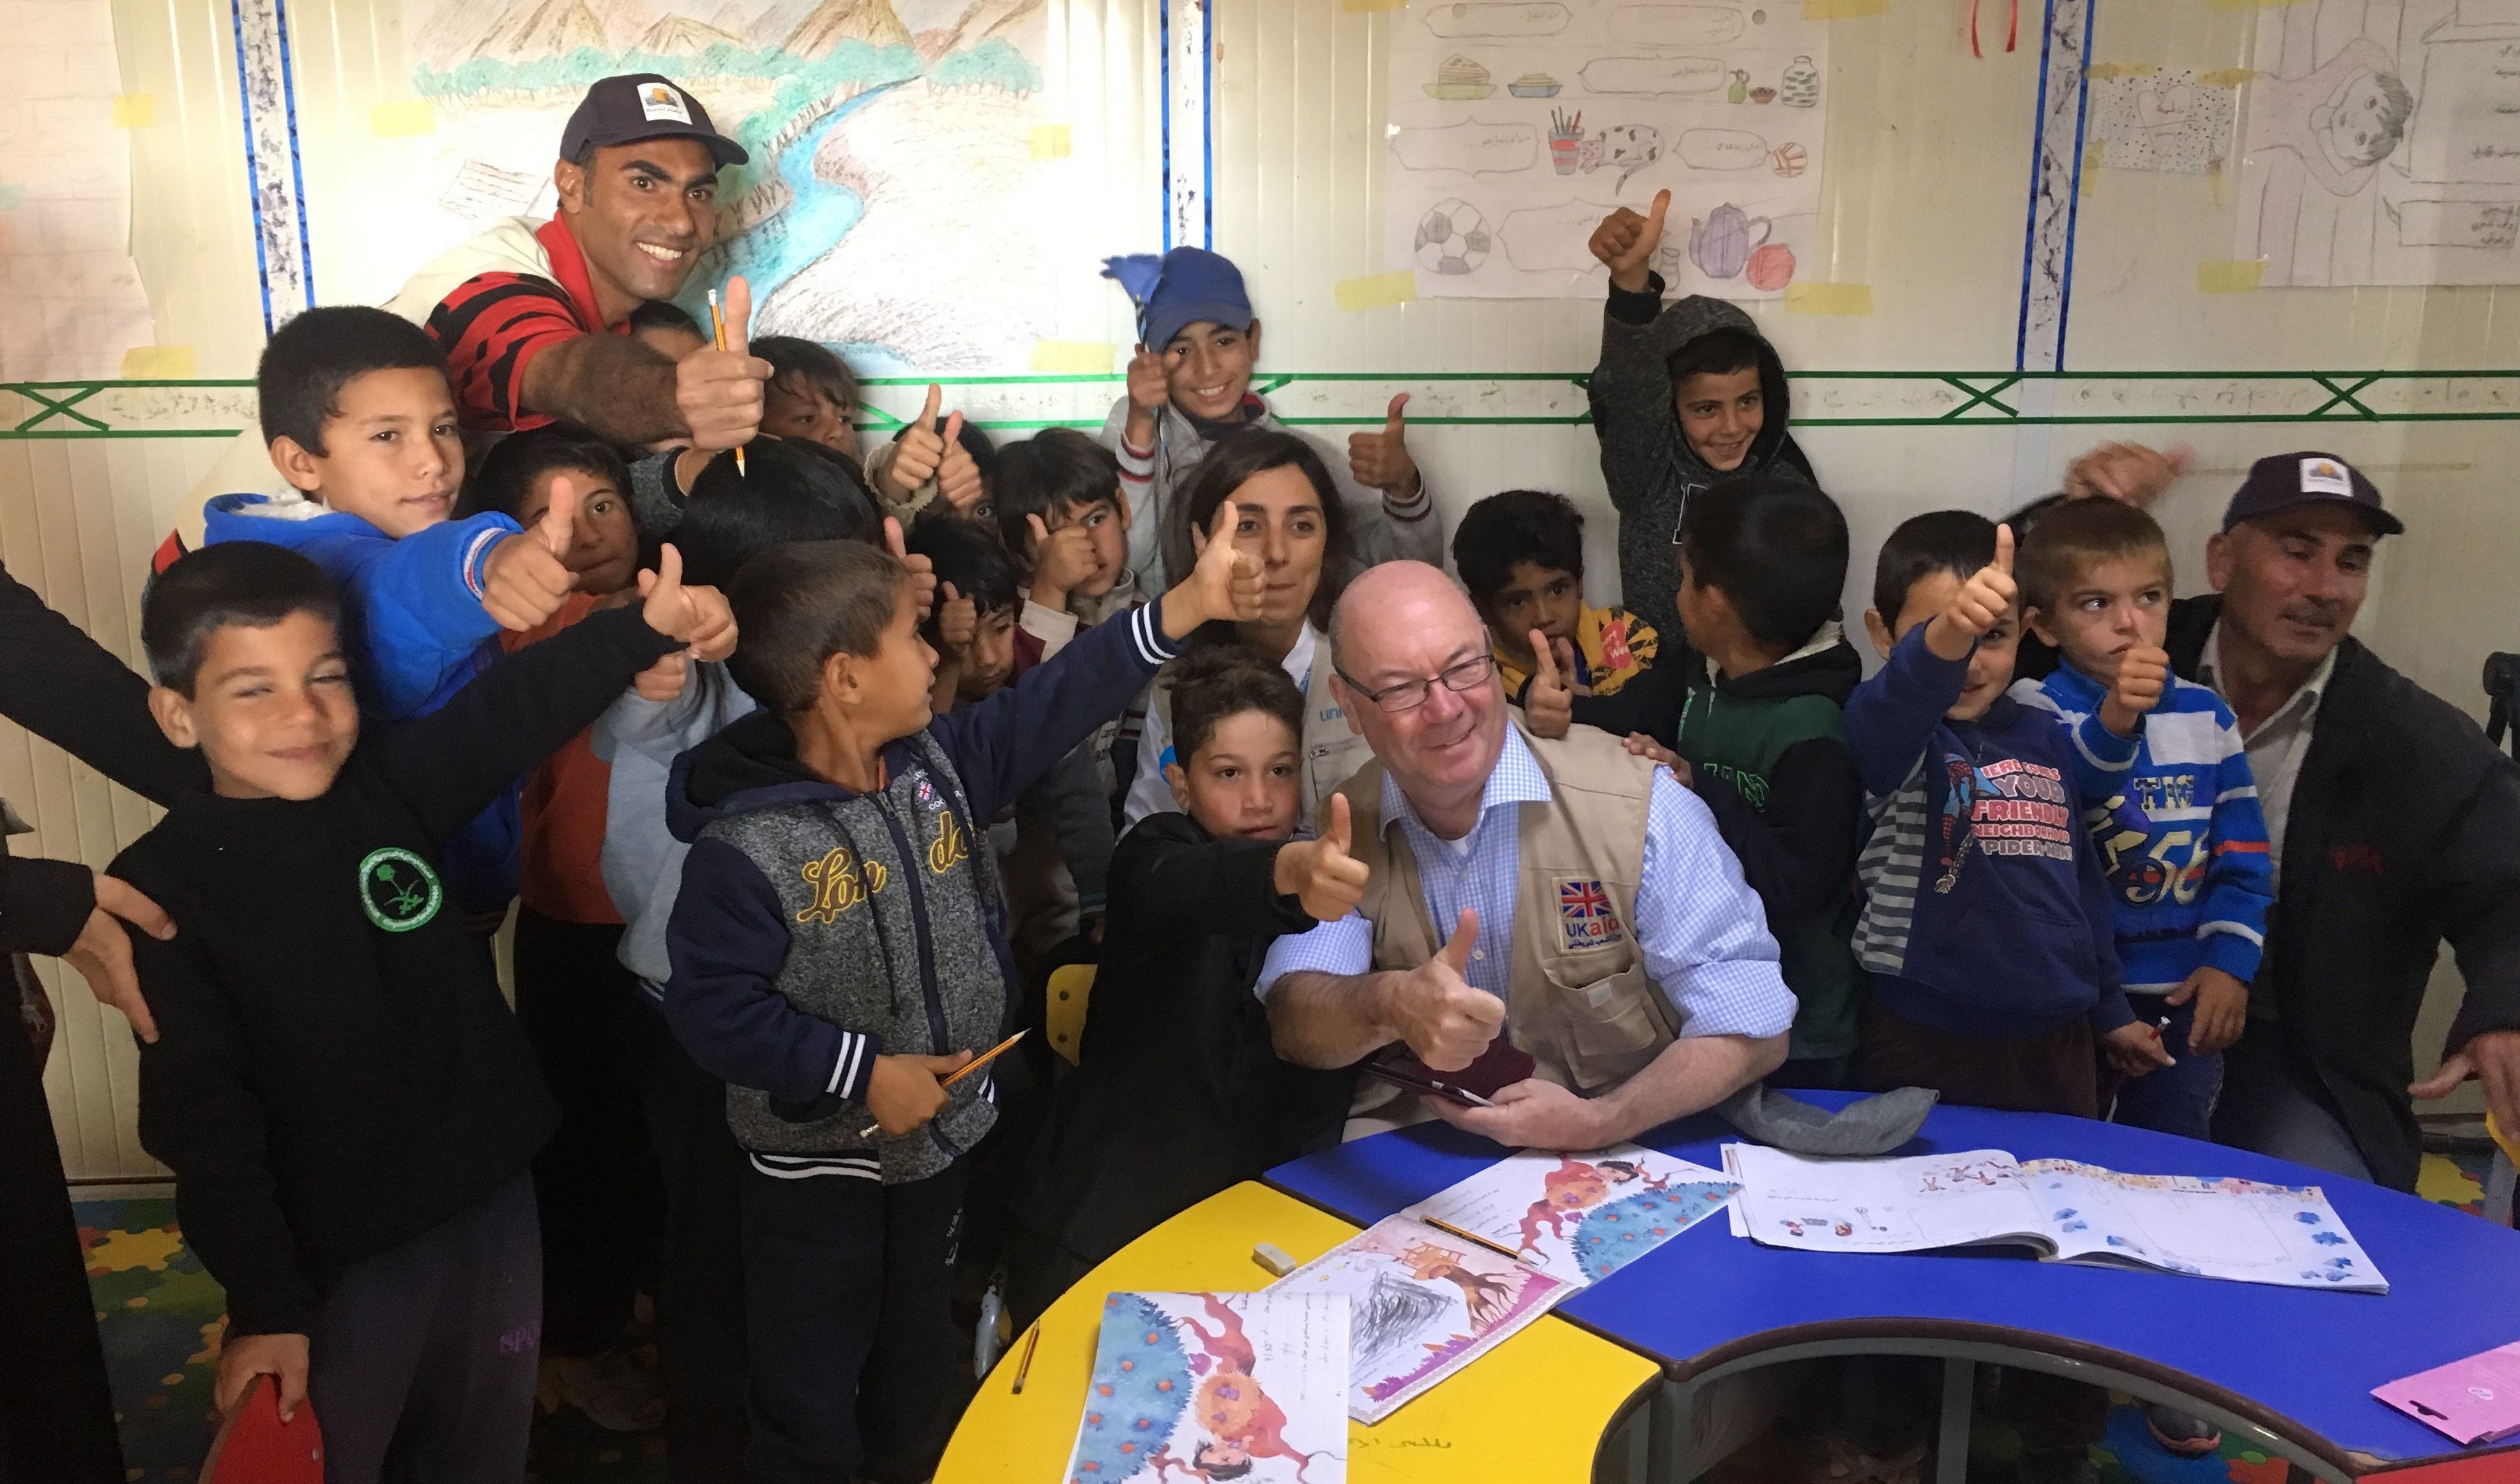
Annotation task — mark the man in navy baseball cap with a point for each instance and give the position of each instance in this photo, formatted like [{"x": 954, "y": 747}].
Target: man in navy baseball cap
[{"x": 2285, "y": 481}]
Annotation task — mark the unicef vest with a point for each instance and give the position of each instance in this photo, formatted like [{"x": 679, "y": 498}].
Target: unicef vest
[{"x": 1578, "y": 997}]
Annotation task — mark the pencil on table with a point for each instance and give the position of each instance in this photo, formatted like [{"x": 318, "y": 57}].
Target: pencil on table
[
  {"x": 1024, "y": 1368},
  {"x": 1449, "y": 1229},
  {"x": 717, "y": 322}
]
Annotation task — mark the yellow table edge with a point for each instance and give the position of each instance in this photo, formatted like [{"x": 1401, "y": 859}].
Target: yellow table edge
[{"x": 1535, "y": 1408}]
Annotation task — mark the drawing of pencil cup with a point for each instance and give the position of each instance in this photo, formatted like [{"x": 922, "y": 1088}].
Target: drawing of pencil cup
[
  {"x": 1567, "y": 147},
  {"x": 1799, "y": 88},
  {"x": 1721, "y": 245}
]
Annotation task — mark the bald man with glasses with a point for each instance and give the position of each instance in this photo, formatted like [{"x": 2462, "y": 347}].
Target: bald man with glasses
[{"x": 1590, "y": 915}]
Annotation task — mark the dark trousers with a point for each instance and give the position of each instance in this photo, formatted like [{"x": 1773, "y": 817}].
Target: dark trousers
[
  {"x": 849, "y": 1290},
  {"x": 2178, "y": 1099},
  {"x": 2057, "y": 1073},
  {"x": 421, "y": 1364},
  {"x": 595, "y": 1182},
  {"x": 700, "y": 1291},
  {"x": 56, "y": 1411}
]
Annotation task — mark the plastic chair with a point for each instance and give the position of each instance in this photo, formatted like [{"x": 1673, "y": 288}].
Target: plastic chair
[
  {"x": 2505, "y": 1174},
  {"x": 1070, "y": 987},
  {"x": 255, "y": 1447}
]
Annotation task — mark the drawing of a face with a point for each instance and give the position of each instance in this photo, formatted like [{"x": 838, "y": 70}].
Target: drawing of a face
[
  {"x": 1221, "y": 1461},
  {"x": 2363, "y": 124}
]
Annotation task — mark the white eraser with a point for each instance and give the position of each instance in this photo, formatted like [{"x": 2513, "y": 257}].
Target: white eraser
[{"x": 1274, "y": 1258}]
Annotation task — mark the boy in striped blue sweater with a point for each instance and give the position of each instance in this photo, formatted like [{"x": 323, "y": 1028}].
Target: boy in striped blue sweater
[{"x": 2169, "y": 796}]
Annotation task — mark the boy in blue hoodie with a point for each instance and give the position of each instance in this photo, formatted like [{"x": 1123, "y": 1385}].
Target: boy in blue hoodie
[
  {"x": 360, "y": 421},
  {"x": 838, "y": 949},
  {"x": 1986, "y": 916}
]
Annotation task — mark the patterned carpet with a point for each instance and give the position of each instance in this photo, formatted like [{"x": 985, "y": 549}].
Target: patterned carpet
[{"x": 160, "y": 1315}]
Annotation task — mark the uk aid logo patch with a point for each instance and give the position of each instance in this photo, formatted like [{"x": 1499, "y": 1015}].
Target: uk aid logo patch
[{"x": 1585, "y": 916}]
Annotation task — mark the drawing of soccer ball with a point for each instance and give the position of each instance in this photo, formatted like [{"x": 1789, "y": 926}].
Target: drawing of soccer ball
[{"x": 1451, "y": 237}]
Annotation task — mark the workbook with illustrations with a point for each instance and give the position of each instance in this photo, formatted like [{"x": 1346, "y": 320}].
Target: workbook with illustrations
[
  {"x": 1441, "y": 1283},
  {"x": 1216, "y": 1386},
  {"x": 2240, "y": 1229},
  {"x": 1581, "y": 1217}
]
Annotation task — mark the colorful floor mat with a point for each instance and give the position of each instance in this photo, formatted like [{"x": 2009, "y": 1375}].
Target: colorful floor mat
[{"x": 160, "y": 1316}]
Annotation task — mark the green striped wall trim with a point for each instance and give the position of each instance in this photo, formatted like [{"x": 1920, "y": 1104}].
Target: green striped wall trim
[{"x": 211, "y": 409}]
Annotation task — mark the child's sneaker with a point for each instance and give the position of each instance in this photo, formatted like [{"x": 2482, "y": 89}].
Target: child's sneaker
[{"x": 615, "y": 1391}]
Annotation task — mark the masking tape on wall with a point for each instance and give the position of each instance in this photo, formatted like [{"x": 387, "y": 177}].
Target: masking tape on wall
[
  {"x": 1376, "y": 289},
  {"x": 1355, "y": 6},
  {"x": 1073, "y": 357},
  {"x": 1050, "y": 141},
  {"x": 1828, "y": 298},
  {"x": 402, "y": 121},
  {"x": 1844, "y": 10},
  {"x": 135, "y": 110},
  {"x": 2237, "y": 276},
  {"x": 158, "y": 363}
]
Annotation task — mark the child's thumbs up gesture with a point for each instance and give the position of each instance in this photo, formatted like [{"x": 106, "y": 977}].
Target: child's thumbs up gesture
[
  {"x": 524, "y": 580},
  {"x": 697, "y": 616},
  {"x": 1225, "y": 585},
  {"x": 1978, "y": 607},
  {"x": 921, "y": 451},
  {"x": 2143, "y": 674},
  {"x": 958, "y": 474},
  {"x": 719, "y": 392},
  {"x": 1626, "y": 241},
  {"x": 1320, "y": 874},
  {"x": 1381, "y": 460},
  {"x": 1548, "y": 703}
]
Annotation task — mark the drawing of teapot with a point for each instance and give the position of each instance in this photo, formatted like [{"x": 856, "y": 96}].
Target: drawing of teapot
[{"x": 1721, "y": 245}]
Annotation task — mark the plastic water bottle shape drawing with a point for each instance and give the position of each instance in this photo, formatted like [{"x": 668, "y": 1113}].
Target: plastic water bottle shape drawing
[{"x": 1799, "y": 88}]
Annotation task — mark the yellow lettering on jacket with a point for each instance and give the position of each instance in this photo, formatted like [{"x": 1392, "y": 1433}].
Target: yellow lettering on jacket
[
  {"x": 950, "y": 846},
  {"x": 838, "y": 885}
]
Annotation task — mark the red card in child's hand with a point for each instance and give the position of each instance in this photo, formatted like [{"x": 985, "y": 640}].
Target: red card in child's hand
[
  {"x": 1501, "y": 1065},
  {"x": 255, "y": 1447}
]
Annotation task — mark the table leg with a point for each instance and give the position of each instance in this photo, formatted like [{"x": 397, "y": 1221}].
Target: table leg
[
  {"x": 1959, "y": 1399},
  {"x": 2498, "y": 1185}
]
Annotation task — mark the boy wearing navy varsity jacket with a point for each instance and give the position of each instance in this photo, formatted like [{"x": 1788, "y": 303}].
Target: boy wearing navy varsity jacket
[
  {"x": 2167, "y": 791},
  {"x": 838, "y": 948}
]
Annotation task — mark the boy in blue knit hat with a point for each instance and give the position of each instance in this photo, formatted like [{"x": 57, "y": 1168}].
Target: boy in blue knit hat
[{"x": 1189, "y": 384}]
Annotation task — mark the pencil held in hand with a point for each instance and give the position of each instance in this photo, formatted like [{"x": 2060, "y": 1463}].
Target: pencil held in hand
[{"x": 717, "y": 325}]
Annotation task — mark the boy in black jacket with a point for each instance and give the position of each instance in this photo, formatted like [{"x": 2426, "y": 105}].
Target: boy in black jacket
[
  {"x": 346, "y": 1102},
  {"x": 1179, "y": 1093},
  {"x": 838, "y": 949}
]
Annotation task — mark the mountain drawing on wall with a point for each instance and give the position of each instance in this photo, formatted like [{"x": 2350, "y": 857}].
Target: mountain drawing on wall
[
  {"x": 544, "y": 29},
  {"x": 987, "y": 18},
  {"x": 680, "y": 35},
  {"x": 828, "y": 25}
]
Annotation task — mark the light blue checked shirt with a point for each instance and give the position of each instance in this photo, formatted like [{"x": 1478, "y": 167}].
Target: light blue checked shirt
[{"x": 1701, "y": 929}]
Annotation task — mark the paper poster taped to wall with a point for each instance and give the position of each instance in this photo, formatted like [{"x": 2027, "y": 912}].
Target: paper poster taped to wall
[
  {"x": 2383, "y": 144},
  {"x": 1515, "y": 127},
  {"x": 889, "y": 204},
  {"x": 2164, "y": 119},
  {"x": 76, "y": 304}
]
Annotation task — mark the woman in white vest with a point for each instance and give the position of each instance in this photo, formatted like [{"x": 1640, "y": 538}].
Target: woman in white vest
[{"x": 1292, "y": 519}]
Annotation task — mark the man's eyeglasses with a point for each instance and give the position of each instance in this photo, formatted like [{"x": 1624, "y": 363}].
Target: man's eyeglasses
[{"x": 1409, "y": 695}]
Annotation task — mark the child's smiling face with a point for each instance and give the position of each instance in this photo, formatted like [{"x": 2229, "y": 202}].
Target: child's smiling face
[
  {"x": 1207, "y": 368},
  {"x": 2364, "y": 120}
]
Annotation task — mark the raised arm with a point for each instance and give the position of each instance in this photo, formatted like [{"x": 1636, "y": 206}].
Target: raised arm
[
  {"x": 1327, "y": 1009},
  {"x": 1630, "y": 391},
  {"x": 63, "y": 687},
  {"x": 630, "y": 393}
]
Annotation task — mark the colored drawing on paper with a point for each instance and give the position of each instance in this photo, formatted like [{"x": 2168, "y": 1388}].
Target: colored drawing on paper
[
  {"x": 1424, "y": 1304},
  {"x": 1724, "y": 105},
  {"x": 877, "y": 129},
  {"x": 1581, "y": 1217},
  {"x": 1211, "y": 1387}
]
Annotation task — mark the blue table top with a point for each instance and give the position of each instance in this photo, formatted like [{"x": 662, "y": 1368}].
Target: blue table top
[{"x": 2303, "y": 1361}]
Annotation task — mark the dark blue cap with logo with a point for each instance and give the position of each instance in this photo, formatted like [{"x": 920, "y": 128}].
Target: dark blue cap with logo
[
  {"x": 2281, "y": 481},
  {"x": 642, "y": 105}
]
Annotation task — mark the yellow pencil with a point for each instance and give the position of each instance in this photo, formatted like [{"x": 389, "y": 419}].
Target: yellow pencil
[
  {"x": 967, "y": 1069},
  {"x": 1498, "y": 1247},
  {"x": 717, "y": 322},
  {"x": 1024, "y": 1368}
]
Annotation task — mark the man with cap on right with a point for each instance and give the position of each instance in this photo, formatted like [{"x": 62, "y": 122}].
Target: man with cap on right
[{"x": 2395, "y": 825}]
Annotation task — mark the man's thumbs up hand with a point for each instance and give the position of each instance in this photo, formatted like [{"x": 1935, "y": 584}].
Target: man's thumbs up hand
[{"x": 1435, "y": 1007}]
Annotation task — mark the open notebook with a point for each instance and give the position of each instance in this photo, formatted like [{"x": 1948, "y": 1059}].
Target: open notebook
[{"x": 2238, "y": 1229}]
